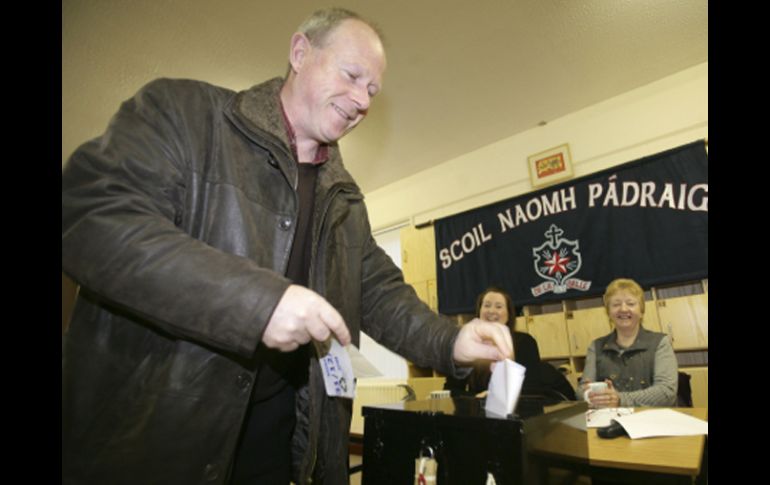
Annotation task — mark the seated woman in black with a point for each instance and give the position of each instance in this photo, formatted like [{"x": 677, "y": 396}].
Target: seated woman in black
[{"x": 494, "y": 305}]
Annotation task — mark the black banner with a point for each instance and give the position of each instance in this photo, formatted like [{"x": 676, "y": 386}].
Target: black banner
[{"x": 646, "y": 220}]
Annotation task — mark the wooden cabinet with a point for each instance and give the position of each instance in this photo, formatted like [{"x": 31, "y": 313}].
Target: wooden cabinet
[
  {"x": 432, "y": 295},
  {"x": 418, "y": 264},
  {"x": 584, "y": 326},
  {"x": 426, "y": 291},
  {"x": 418, "y": 254},
  {"x": 421, "y": 288},
  {"x": 521, "y": 325},
  {"x": 550, "y": 331},
  {"x": 685, "y": 320},
  {"x": 650, "y": 320}
]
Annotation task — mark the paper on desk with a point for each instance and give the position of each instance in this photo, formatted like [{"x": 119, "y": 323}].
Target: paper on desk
[
  {"x": 598, "y": 418},
  {"x": 504, "y": 387},
  {"x": 361, "y": 365},
  {"x": 662, "y": 422}
]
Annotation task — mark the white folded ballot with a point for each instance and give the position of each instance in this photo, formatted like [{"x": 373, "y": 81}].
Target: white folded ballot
[
  {"x": 361, "y": 365},
  {"x": 504, "y": 388}
]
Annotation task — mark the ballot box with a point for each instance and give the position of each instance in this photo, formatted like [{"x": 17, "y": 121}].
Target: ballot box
[{"x": 468, "y": 446}]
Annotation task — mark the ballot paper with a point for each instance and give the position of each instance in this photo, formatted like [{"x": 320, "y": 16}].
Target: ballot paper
[
  {"x": 361, "y": 365},
  {"x": 337, "y": 369},
  {"x": 599, "y": 418},
  {"x": 504, "y": 388},
  {"x": 662, "y": 422}
]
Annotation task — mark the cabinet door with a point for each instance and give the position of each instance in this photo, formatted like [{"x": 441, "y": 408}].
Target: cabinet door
[
  {"x": 521, "y": 325},
  {"x": 421, "y": 288},
  {"x": 584, "y": 326},
  {"x": 550, "y": 331},
  {"x": 418, "y": 254},
  {"x": 685, "y": 320},
  {"x": 432, "y": 294},
  {"x": 650, "y": 320},
  {"x": 426, "y": 291}
]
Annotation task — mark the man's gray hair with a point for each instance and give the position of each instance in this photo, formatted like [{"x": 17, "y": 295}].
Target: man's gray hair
[
  {"x": 318, "y": 26},
  {"x": 321, "y": 23}
]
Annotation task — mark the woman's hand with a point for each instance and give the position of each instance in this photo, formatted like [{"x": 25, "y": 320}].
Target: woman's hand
[{"x": 608, "y": 398}]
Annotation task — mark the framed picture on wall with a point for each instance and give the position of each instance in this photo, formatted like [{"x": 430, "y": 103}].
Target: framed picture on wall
[{"x": 550, "y": 166}]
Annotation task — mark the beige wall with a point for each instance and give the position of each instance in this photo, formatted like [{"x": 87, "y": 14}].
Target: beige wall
[{"x": 662, "y": 115}]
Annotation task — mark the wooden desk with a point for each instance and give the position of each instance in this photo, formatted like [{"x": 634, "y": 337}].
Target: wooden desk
[
  {"x": 678, "y": 455},
  {"x": 664, "y": 460}
]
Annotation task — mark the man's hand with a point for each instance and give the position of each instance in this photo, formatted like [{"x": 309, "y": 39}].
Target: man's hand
[
  {"x": 303, "y": 314},
  {"x": 482, "y": 340}
]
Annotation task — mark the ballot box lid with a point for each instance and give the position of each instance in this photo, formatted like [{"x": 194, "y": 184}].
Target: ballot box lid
[{"x": 473, "y": 408}]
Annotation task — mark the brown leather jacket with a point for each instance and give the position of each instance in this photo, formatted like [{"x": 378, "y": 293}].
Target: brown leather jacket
[{"x": 178, "y": 224}]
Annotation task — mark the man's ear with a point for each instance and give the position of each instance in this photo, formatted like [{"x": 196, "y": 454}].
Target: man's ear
[{"x": 299, "y": 50}]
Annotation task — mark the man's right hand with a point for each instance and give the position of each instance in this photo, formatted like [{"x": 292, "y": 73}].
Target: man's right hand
[
  {"x": 303, "y": 314},
  {"x": 482, "y": 340}
]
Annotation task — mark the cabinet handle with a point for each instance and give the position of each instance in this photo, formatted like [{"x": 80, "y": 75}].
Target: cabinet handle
[
  {"x": 671, "y": 332},
  {"x": 574, "y": 339}
]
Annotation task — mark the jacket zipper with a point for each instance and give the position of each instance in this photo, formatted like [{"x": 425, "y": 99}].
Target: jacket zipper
[
  {"x": 327, "y": 202},
  {"x": 335, "y": 189}
]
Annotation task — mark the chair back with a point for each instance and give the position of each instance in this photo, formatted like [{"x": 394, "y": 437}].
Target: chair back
[{"x": 684, "y": 391}]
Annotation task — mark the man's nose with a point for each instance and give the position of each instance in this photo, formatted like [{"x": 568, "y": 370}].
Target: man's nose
[{"x": 361, "y": 98}]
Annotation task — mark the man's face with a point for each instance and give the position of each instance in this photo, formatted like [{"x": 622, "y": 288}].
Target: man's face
[{"x": 338, "y": 80}]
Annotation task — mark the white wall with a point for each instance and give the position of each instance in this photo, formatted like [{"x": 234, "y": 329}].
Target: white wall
[
  {"x": 662, "y": 115},
  {"x": 388, "y": 363}
]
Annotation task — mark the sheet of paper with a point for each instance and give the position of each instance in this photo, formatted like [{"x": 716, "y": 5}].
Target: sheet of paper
[
  {"x": 337, "y": 371},
  {"x": 662, "y": 422},
  {"x": 504, "y": 388},
  {"x": 598, "y": 418},
  {"x": 361, "y": 365}
]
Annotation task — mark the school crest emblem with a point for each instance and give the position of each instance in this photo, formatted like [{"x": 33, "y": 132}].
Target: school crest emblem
[{"x": 557, "y": 261}]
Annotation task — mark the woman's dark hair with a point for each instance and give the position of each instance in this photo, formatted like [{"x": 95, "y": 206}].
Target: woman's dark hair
[{"x": 508, "y": 305}]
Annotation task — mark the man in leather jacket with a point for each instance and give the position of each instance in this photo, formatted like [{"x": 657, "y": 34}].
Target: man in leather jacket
[{"x": 218, "y": 242}]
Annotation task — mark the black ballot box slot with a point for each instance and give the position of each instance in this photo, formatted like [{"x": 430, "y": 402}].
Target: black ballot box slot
[{"x": 467, "y": 444}]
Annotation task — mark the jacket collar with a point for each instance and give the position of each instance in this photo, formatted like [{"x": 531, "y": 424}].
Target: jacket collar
[{"x": 257, "y": 112}]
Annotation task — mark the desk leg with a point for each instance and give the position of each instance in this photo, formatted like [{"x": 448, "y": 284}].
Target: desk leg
[{"x": 703, "y": 478}]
